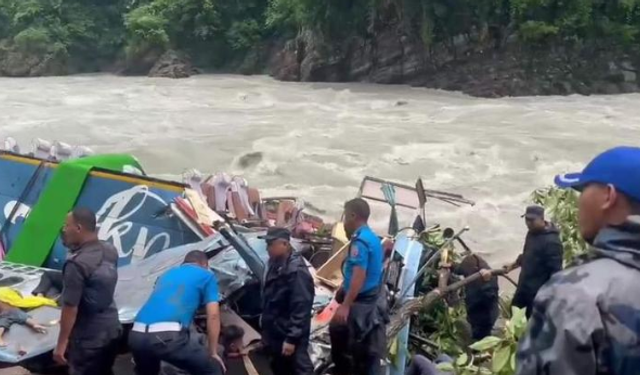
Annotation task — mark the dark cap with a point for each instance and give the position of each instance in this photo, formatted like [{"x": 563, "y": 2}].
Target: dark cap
[
  {"x": 534, "y": 212},
  {"x": 276, "y": 233}
]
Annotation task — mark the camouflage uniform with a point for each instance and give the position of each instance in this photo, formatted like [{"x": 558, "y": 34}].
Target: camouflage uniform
[{"x": 586, "y": 319}]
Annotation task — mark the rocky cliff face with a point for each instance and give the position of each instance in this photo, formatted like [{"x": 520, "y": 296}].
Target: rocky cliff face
[{"x": 391, "y": 57}]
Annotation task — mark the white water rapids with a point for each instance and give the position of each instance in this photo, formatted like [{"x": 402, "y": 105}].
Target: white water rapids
[{"x": 318, "y": 141}]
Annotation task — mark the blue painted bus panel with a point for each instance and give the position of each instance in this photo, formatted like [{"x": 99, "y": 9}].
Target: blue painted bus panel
[{"x": 133, "y": 214}]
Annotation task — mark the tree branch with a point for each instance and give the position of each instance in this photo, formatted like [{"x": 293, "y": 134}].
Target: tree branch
[{"x": 401, "y": 316}]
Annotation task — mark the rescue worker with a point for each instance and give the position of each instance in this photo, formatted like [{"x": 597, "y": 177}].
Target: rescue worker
[
  {"x": 89, "y": 323},
  {"x": 480, "y": 296},
  {"x": 586, "y": 319},
  {"x": 288, "y": 302},
  {"x": 541, "y": 258},
  {"x": 357, "y": 331},
  {"x": 161, "y": 329}
]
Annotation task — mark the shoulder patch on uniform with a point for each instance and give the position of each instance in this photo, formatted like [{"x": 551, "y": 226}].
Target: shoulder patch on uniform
[{"x": 354, "y": 251}]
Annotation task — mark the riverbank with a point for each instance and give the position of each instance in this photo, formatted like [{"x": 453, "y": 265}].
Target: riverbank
[
  {"x": 483, "y": 48},
  {"x": 392, "y": 59},
  {"x": 466, "y": 66}
]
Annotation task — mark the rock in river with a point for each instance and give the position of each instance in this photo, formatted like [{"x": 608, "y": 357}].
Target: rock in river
[{"x": 172, "y": 64}]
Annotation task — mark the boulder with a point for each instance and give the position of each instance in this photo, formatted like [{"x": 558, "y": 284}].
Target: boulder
[
  {"x": 622, "y": 72},
  {"x": 606, "y": 88},
  {"x": 18, "y": 64},
  {"x": 172, "y": 64},
  {"x": 628, "y": 87},
  {"x": 581, "y": 88},
  {"x": 563, "y": 87}
]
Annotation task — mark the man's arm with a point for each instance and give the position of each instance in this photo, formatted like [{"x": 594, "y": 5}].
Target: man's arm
[
  {"x": 300, "y": 305},
  {"x": 73, "y": 282},
  {"x": 514, "y": 265},
  {"x": 211, "y": 299},
  {"x": 67, "y": 321},
  {"x": 561, "y": 333},
  {"x": 213, "y": 327}
]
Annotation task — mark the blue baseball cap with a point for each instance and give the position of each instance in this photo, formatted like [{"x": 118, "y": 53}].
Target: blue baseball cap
[{"x": 618, "y": 166}]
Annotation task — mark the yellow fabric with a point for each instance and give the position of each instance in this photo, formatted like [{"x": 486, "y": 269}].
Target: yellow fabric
[{"x": 14, "y": 298}]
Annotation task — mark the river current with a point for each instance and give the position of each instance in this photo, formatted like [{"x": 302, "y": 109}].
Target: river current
[{"x": 317, "y": 141}]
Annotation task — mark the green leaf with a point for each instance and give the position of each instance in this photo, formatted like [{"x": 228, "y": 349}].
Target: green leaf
[
  {"x": 501, "y": 358},
  {"x": 518, "y": 321},
  {"x": 486, "y": 343},
  {"x": 445, "y": 366},
  {"x": 462, "y": 359}
]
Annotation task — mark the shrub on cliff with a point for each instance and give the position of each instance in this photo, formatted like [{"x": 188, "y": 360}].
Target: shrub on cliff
[
  {"x": 88, "y": 30},
  {"x": 33, "y": 40},
  {"x": 146, "y": 32}
]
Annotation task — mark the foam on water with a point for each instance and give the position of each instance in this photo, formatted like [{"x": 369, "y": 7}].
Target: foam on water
[{"x": 317, "y": 141}]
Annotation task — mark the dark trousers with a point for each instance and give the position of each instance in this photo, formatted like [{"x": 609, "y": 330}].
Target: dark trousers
[
  {"x": 524, "y": 301},
  {"x": 87, "y": 358},
  {"x": 421, "y": 365},
  {"x": 297, "y": 364},
  {"x": 353, "y": 357},
  {"x": 482, "y": 316},
  {"x": 175, "y": 348},
  {"x": 50, "y": 284}
]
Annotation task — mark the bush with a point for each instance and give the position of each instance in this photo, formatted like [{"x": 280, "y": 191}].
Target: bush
[
  {"x": 562, "y": 205},
  {"x": 536, "y": 31},
  {"x": 244, "y": 34},
  {"x": 35, "y": 40},
  {"x": 147, "y": 31}
]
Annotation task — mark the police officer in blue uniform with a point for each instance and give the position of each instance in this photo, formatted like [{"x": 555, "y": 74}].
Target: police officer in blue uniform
[
  {"x": 358, "y": 341},
  {"x": 161, "y": 329}
]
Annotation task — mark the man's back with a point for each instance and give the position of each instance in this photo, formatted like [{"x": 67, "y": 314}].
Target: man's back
[
  {"x": 541, "y": 258},
  {"x": 586, "y": 319},
  {"x": 178, "y": 294}
]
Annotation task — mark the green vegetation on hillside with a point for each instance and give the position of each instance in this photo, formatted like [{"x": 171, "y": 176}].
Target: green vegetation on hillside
[{"x": 214, "y": 31}]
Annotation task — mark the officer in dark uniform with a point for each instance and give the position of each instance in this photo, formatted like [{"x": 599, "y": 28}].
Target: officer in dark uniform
[
  {"x": 358, "y": 341},
  {"x": 540, "y": 259},
  {"x": 288, "y": 303},
  {"x": 480, "y": 296},
  {"x": 89, "y": 324}
]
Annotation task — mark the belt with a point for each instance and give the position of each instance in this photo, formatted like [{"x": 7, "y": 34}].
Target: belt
[{"x": 157, "y": 327}]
